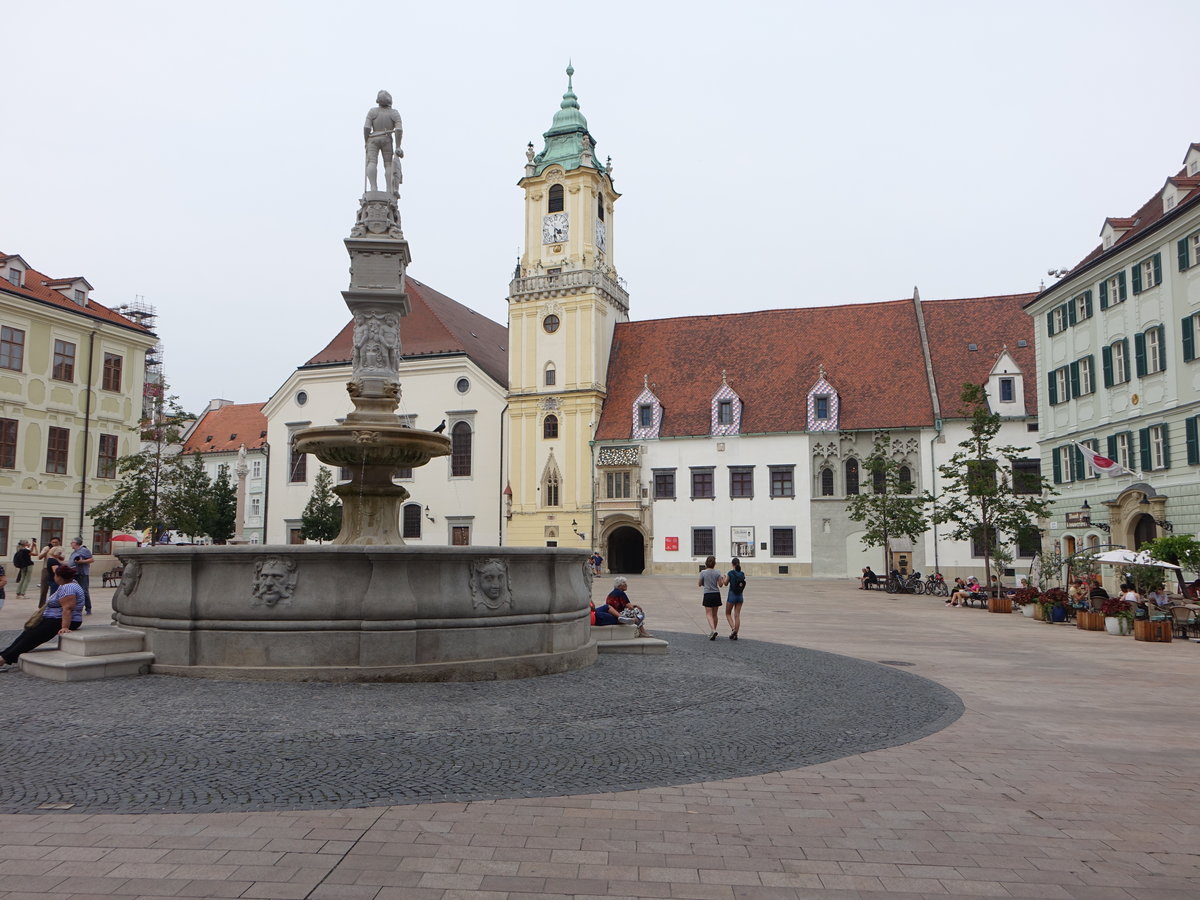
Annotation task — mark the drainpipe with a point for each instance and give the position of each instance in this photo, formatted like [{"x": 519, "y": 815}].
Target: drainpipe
[
  {"x": 266, "y": 490},
  {"x": 87, "y": 430}
]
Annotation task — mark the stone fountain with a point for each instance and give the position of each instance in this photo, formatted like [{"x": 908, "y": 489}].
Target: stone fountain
[{"x": 365, "y": 608}]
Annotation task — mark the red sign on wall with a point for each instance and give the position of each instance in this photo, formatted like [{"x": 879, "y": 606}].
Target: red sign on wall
[{"x": 672, "y": 543}]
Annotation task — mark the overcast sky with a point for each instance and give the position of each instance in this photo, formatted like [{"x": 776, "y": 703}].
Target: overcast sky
[{"x": 208, "y": 157}]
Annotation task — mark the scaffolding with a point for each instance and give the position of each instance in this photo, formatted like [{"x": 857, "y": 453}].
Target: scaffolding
[{"x": 146, "y": 315}]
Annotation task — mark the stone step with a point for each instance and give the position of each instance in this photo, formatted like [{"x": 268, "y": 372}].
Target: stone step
[
  {"x": 101, "y": 640},
  {"x": 58, "y": 665},
  {"x": 624, "y": 639}
]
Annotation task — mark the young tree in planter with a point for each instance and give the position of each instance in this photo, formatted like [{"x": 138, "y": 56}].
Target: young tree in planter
[
  {"x": 891, "y": 510},
  {"x": 322, "y": 517},
  {"x": 979, "y": 499},
  {"x": 222, "y": 507},
  {"x": 1180, "y": 549}
]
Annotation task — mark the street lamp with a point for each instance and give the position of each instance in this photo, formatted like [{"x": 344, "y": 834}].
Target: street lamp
[
  {"x": 1087, "y": 513},
  {"x": 1161, "y": 523}
]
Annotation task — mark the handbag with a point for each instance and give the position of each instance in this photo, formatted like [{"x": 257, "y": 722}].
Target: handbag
[{"x": 35, "y": 620}]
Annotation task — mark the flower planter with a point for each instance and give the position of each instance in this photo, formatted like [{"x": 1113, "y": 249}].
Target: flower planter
[
  {"x": 1029, "y": 610},
  {"x": 1000, "y": 604},
  {"x": 1037, "y": 612},
  {"x": 1089, "y": 621},
  {"x": 1158, "y": 632},
  {"x": 1058, "y": 614},
  {"x": 1116, "y": 625}
]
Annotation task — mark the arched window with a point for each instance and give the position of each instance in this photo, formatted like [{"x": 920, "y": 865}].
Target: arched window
[
  {"x": 550, "y": 429},
  {"x": 600, "y": 207},
  {"x": 550, "y": 488},
  {"x": 827, "y": 482},
  {"x": 551, "y": 375},
  {"x": 906, "y": 482},
  {"x": 460, "y": 449},
  {"x": 879, "y": 480},
  {"x": 852, "y": 476},
  {"x": 555, "y": 198},
  {"x": 412, "y": 520}
]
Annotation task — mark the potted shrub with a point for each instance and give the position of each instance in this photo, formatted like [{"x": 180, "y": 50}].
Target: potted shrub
[
  {"x": 1054, "y": 604},
  {"x": 1026, "y": 599},
  {"x": 1118, "y": 616}
]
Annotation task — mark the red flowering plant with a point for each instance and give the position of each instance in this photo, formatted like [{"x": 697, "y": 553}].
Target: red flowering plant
[
  {"x": 1115, "y": 606},
  {"x": 1052, "y": 598},
  {"x": 1026, "y": 595}
]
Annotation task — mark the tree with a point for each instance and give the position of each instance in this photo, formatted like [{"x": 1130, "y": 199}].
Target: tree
[
  {"x": 1180, "y": 549},
  {"x": 892, "y": 510},
  {"x": 187, "y": 498},
  {"x": 322, "y": 517},
  {"x": 222, "y": 507},
  {"x": 978, "y": 499},
  {"x": 145, "y": 476}
]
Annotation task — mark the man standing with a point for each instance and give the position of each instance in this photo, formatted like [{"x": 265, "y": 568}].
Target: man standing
[
  {"x": 23, "y": 560},
  {"x": 382, "y": 126},
  {"x": 81, "y": 560}
]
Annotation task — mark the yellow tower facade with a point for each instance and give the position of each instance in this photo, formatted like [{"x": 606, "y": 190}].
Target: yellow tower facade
[{"x": 563, "y": 303}]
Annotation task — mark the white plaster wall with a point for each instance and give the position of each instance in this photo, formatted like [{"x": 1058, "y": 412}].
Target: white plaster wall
[
  {"x": 429, "y": 396},
  {"x": 676, "y": 518}
]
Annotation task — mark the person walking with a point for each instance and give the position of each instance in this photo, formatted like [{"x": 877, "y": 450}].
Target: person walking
[
  {"x": 23, "y": 560},
  {"x": 81, "y": 561},
  {"x": 710, "y": 583},
  {"x": 736, "y": 579},
  {"x": 53, "y": 554}
]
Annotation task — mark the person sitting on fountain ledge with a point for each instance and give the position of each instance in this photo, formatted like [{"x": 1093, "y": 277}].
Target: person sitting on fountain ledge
[{"x": 617, "y": 610}]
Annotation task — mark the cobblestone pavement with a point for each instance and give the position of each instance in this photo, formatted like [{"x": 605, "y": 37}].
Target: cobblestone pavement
[
  {"x": 705, "y": 710},
  {"x": 1072, "y": 774}
]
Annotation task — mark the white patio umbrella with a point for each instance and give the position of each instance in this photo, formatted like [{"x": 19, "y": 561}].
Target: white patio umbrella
[{"x": 1130, "y": 558}]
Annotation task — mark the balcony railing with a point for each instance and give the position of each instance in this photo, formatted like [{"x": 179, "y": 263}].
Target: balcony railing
[{"x": 570, "y": 281}]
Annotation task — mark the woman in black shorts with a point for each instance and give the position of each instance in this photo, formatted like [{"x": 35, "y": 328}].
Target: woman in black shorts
[{"x": 711, "y": 582}]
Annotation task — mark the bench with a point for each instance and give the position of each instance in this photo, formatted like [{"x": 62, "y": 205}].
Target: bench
[
  {"x": 877, "y": 585},
  {"x": 112, "y": 577}
]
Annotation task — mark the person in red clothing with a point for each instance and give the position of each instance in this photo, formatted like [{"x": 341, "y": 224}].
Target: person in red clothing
[{"x": 618, "y": 610}]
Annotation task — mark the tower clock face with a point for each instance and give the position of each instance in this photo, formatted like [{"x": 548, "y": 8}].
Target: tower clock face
[
  {"x": 554, "y": 228},
  {"x": 601, "y": 236}
]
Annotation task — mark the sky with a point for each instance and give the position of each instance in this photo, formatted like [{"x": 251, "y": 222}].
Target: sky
[{"x": 207, "y": 158}]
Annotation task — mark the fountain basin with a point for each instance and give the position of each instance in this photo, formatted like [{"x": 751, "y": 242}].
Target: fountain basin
[
  {"x": 344, "y": 613},
  {"x": 388, "y": 444}
]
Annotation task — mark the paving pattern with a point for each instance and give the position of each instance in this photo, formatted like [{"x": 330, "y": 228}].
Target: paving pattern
[{"x": 705, "y": 711}]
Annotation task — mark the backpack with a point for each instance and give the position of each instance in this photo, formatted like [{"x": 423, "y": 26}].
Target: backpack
[{"x": 737, "y": 581}]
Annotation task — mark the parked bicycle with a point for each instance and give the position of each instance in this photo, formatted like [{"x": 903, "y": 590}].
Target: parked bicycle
[
  {"x": 905, "y": 584},
  {"x": 936, "y": 585}
]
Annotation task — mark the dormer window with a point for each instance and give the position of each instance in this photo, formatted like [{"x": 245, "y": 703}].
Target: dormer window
[
  {"x": 555, "y": 198},
  {"x": 1007, "y": 393},
  {"x": 647, "y": 414},
  {"x": 821, "y": 407},
  {"x": 14, "y": 275},
  {"x": 80, "y": 297},
  {"x": 726, "y": 411}
]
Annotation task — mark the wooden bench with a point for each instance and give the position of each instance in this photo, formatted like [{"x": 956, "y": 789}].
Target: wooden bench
[{"x": 112, "y": 577}]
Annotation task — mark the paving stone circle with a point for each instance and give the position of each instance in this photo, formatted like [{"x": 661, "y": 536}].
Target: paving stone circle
[{"x": 705, "y": 711}]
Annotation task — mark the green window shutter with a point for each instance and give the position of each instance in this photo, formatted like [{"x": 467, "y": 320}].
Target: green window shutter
[
  {"x": 1106, "y": 362},
  {"x": 1193, "y": 441},
  {"x": 1058, "y": 479},
  {"x": 1078, "y": 469},
  {"x": 1158, "y": 268},
  {"x": 1069, "y": 309},
  {"x": 1112, "y": 446},
  {"x": 1133, "y": 461},
  {"x": 1162, "y": 347},
  {"x": 1087, "y": 303},
  {"x": 1125, "y": 347},
  {"x": 1121, "y": 279},
  {"x": 1188, "y": 329},
  {"x": 1182, "y": 246},
  {"x": 1104, "y": 295},
  {"x": 1139, "y": 353},
  {"x": 1074, "y": 379},
  {"x": 1166, "y": 435},
  {"x": 1144, "y": 446},
  {"x": 1137, "y": 278},
  {"x": 1050, "y": 323},
  {"x": 1052, "y": 388}
]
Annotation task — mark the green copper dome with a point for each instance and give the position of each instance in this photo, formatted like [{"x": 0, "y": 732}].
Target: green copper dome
[{"x": 565, "y": 141}]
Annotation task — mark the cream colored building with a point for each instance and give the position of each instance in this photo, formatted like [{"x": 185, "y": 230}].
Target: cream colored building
[
  {"x": 72, "y": 373},
  {"x": 563, "y": 305},
  {"x": 452, "y": 371}
]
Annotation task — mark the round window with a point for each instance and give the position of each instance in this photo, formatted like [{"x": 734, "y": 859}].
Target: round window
[
  {"x": 301, "y": 397},
  {"x": 462, "y": 385},
  {"x": 550, "y": 323}
]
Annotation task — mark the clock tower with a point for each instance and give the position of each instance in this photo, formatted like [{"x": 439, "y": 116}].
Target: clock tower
[{"x": 563, "y": 303}]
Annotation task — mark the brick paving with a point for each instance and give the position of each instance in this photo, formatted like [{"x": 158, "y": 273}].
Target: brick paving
[{"x": 1072, "y": 773}]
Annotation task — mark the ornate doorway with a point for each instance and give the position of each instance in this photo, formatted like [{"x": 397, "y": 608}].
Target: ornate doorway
[
  {"x": 1144, "y": 529},
  {"x": 626, "y": 551}
]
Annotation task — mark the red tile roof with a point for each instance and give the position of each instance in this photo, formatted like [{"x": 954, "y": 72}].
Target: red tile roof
[
  {"x": 435, "y": 326},
  {"x": 226, "y": 429},
  {"x": 871, "y": 353},
  {"x": 991, "y": 324},
  {"x": 35, "y": 286}
]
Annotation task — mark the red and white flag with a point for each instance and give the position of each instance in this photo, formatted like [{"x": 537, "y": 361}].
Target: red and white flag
[{"x": 1102, "y": 465}]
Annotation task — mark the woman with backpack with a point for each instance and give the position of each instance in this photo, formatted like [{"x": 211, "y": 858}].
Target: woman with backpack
[{"x": 733, "y": 600}]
